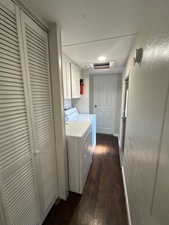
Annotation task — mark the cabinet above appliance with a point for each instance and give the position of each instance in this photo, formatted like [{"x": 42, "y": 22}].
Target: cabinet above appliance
[{"x": 71, "y": 79}]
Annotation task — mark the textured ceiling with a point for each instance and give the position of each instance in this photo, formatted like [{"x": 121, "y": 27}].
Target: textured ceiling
[
  {"x": 114, "y": 49},
  {"x": 85, "y": 22}
]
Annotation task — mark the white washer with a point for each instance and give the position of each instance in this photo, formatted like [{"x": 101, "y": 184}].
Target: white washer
[
  {"x": 79, "y": 143},
  {"x": 73, "y": 115}
]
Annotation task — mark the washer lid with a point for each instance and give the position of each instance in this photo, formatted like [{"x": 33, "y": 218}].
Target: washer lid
[
  {"x": 71, "y": 114},
  {"x": 77, "y": 128}
]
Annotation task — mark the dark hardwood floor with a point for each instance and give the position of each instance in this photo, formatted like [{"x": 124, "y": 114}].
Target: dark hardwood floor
[
  {"x": 62, "y": 213},
  {"x": 102, "y": 202}
]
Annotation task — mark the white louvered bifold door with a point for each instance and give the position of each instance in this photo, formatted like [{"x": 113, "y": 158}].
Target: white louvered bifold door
[
  {"x": 37, "y": 58},
  {"x": 18, "y": 197}
]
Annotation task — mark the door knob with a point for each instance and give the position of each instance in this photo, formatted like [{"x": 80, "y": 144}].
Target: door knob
[{"x": 95, "y": 106}]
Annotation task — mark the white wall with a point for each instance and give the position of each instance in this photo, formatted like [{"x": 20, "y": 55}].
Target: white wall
[
  {"x": 82, "y": 104},
  {"x": 146, "y": 149}
]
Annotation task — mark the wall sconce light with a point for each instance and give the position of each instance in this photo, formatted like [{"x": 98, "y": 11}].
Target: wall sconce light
[{"x": 139, "y": 56}]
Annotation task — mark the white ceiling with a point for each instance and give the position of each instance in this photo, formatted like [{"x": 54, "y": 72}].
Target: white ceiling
[
  {"x": 91, "y": 28},
  {"x": 115, "y": 50}
]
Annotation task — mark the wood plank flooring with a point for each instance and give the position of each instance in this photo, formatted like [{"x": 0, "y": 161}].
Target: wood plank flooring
[
  {"x": 62, "y": 213},
  {"x": 102, "y": 202}
]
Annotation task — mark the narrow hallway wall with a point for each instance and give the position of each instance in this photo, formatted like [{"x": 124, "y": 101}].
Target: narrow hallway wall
[{"x": 145, "y": 155}]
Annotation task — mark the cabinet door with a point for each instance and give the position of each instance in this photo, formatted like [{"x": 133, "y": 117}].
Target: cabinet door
[
  {"x": 18, "y": 189},
  {"x": 75, "y": 81},
  {"x": 37, "y": 68},
  {"x": 66, "y": 78}
]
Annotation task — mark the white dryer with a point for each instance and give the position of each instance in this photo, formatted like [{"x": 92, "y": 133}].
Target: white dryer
[
  {"x": 73, "y": 115},
  {"x": 79, "y": 146}
]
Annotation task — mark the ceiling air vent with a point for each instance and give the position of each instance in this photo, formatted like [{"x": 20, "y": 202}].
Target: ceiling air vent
[{"x": 101, "y": 66}]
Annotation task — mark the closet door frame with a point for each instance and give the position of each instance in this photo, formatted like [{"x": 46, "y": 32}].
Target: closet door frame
[
  {"x": 24, "y": 18},
  {"x": 10, "y": 5},
  {"x": 55, "y": 50},
  {"x": 28, "y": 102},
  {"x": 61, "y": 155},
  {"x": 55, "y": 58}
]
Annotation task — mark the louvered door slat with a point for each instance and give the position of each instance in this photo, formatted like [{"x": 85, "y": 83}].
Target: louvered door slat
[
  {"x": 38, "y": 60},
  {"x": 11, "y": 79},
  {"x": 9, "y": 143},
  {"x": 6, "y": 25},
  {"x": 35, "y": 54},
  {"x": 5, "y": 40},
  {"x": 9, "y": 60},
  {"x": 11, "y": 122},
  {"x": 20, "y": 212},
  {"x": 38, "y": 67},
  {"x": 9, "y": 50},
  {"x": 39, "y": 83},
  {"x": 17, "y": 145},
  {"x": 5, "y": 30},
  {"x": 17, "y": 181},
  {"x": 8, "y": 53},
  {"x": 9, "y": 35},
  {"x": 7, "y": 19},
  {"x": 8, "y": 13},
  {"x": 35, "y": 35},
  {"x": 5, "y": 64},
  {"x": 37, "y": 44},
  {"x": 13, "y": 137}
]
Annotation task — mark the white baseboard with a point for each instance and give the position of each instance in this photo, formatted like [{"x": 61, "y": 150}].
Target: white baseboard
[{"x": 126, "y": 196}]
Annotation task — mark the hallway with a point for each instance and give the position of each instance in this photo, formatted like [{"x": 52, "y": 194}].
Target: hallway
[
  {"x": 70, "y": 70},
  {"x": 103, "y": 201}
]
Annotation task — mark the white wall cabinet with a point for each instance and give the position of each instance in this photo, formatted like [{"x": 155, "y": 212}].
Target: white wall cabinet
[
  {"x": 28, "y": 174},
  {"x": 71, "y": 79},
  {"x": 66, "y": 65},
  {"x": 75, "y": 81}
]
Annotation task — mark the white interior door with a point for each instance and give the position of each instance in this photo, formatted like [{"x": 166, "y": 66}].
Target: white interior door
[
  {"x": 18, "y": 189},
  {"x": 104, "y": 102},
  {"x": 37, "y": 68}
]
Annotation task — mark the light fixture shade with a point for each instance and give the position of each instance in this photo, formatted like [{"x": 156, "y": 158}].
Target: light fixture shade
[{"x": 102, "y": 58}]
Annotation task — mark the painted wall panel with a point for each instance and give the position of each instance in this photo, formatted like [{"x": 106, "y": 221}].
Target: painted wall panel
[
  {"x": 147, "y": 97},
  {"x": 82, "y": 104}
]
